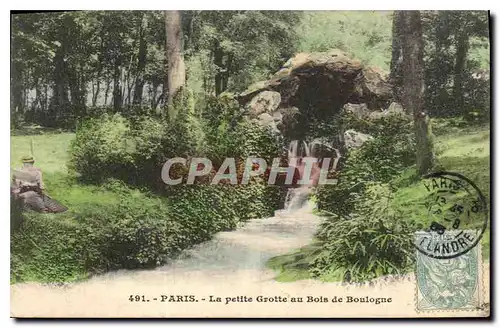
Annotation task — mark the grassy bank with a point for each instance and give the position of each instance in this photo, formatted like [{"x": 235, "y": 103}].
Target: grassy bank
[{"x": 466, "y": 152}]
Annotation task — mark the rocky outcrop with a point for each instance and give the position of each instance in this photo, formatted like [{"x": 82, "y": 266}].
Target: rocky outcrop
[
  {"x": 325, "y": 81},
  {"x": 354, "y": 139},
  {"x": 263, "y": 102},
  {"x": 358, "y": 110},
  {"x": 315, "y": 85},
  {"x": 394, "y": 109},
  {"x": 268, "y": 121},
  {"x": 361, "y": 111}
]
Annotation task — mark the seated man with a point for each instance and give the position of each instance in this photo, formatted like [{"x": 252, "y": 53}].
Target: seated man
[{"x": 28, "y": 187}]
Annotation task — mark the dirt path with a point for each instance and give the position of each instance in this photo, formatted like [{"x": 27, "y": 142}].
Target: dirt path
[{"x": 232, "y": 267}]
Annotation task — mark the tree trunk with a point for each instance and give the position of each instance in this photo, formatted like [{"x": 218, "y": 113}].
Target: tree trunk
[
  {"x": 60, "y": 77},
  {"x": 37, "y": 104},
  {"x": 96, "y": 94},
  {"x": 413, "y": 86},
  {"x": 106, "y": 93},
  {"x": 160, "y": 98},
  {"x": 129, "y": 91},
  {"x": 462, "y": 45},
  {"x": 225, "y": 78},
  {"x": 396, "y": 75},
  {"x": 25, "y": 93},
  {"x": 117, "y": 92},
  {"x": 46, "y": 97},
  {"x": 129, "y": 85},
  {"x": 219, "y": 75},
  {"x": 82, "y": 91},
  {"x": 73, "y": 86},
  {"x": 154, "y": 91},
  {"x": 141, "y": 65},
  {"x": 176, "y": 71},
  {"x": 77, "y": 90},
  {"x": 123, "y": 80},
  {"x": 100, "y": 69},
  {"x": 17, "y": 96},
  {"x": 188, "y": 47}
]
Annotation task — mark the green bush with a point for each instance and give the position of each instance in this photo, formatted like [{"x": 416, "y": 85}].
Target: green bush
[
  {"x": 145, "y": 137},
  {"x": 229, "y": 135},
  {"x": 372, "y": 241},
  {"x": 46, "y": 249},
  {"x": 259, "y": 142},
  {"x": 341, "y": 197},
  {"x": 391, "y": 124},
  {"x": 99, "y": 149},
  {"x": 378, "y": 160},
  {"x": 441, "y": 126},
  {"x": 133, "y": 150},
  {"x": 207, "y": 209},
  {"x": 221, "y": 117}
]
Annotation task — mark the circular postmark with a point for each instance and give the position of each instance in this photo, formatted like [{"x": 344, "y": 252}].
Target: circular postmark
[{"x": 456, "y": 216}]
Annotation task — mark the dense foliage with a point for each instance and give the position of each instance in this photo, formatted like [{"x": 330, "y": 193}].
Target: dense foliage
[
  {"x": 457, "y": 64},
  {"x": 378, "y": 160},
  {"x": 69, "y": 65},
  {"x": 134, "y": 149},
  {"x": 371, "y": 241}
]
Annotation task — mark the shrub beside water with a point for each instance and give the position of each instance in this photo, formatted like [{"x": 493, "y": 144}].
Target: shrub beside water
[
  {"x": 95, "y": 238},
  {"x": 373, "y": 240}
]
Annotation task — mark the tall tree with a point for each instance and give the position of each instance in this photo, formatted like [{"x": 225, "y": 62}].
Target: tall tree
[
  {"x": 141, "y": 65},
  {"x": 412, "y": 46},
  {"x": 396, "y": 75},
  {"x": 176, "y": 71}
]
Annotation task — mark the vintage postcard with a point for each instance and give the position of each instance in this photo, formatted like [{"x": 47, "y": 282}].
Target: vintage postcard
[{"x": 250, "y": 164}]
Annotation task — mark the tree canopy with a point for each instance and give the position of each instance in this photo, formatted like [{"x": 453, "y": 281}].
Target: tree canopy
[{"x": 67, "y": 65}]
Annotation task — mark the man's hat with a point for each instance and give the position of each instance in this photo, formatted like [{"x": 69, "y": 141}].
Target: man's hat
[{"x": 27, "y": 159}]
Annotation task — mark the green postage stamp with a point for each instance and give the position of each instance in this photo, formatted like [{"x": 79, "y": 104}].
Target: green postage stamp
[{"x": 449, "y": 284}]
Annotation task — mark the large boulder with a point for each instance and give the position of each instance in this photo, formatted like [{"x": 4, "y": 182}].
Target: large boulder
[
  {"x": 358, "y": 110},
  {"x": 355, "y": 139},
  {"x": 394, "y": 109},
  {"x": 376, "y": 91},
  {"x": 263, "y": 102},
  {"x": 362, "y": 111},
  {"x": 267, "y": 121}
]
